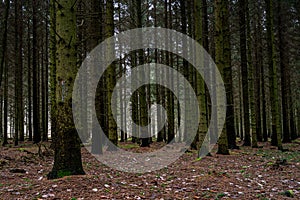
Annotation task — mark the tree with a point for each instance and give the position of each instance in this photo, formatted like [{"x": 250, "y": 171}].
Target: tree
[
  {"x": 276, "y": 121},
  {"x": 110, "y": 76},
  {"x": 4, "y": 39},
  {"x": 231, "y": 133},
  {"x": 52, "y": 52},
  {"x": 221, "y": 35},
  {"x": 94, "y": 33},
  {"x": 200, "y": 85},
  {"x": 35, "y": 94},
  {"x": 284, "y": 65},
  {"x": 29, "y": 80},
  {"x": 67, "y": 155},
  {"x": 252, "y": 94},
  {"x": 3, "y": 71},
  {"x": 244, "y": 67},
  {"x": 19, "y": 114}
]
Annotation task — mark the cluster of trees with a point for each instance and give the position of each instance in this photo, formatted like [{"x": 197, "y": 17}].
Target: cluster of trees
[{"x": 43, "y": 43}]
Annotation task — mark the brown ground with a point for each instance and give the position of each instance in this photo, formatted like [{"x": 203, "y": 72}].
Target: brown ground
[{"x": 246, "y": 174}]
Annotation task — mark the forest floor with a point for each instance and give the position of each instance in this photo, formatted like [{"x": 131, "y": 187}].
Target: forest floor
[{"x": 263, "y": 173}]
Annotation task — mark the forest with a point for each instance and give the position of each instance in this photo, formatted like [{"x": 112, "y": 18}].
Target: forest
[{"x": 150, "y": 99}]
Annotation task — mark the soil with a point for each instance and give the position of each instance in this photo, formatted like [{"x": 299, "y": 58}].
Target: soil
[{"x": 262, "y": 173}]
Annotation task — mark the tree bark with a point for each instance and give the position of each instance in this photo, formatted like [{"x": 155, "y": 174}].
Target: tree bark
[
  {"x": 67, "y": 155},
  {"x": 222, "y": 29}
]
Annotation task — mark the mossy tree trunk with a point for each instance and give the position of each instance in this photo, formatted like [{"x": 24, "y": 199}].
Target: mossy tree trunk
[
  {"x": 67, "y": 149},
  {"x": 200, "y": 85}
]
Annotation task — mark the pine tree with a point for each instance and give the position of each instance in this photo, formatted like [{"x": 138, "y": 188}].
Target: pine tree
[
  {"x": 276, "y": 121},
  {"x": 67, "y": 155},
  {"x": 221, "y": 35}
]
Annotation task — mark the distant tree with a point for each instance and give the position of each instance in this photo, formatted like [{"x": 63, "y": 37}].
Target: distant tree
[
  {"x": 52, "y": 52},
  {"x": 244, "y": 67}
]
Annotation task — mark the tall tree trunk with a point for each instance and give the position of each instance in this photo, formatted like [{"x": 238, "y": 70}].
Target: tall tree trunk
[
  {"x": 230, "y": 130},
  {"x": 53, "y": 108},
  {"x": 276, "y": 121},
  {"x": 19, "y": 113},
  {"x": 110, "y": 78},
  {"x": 4, "y": 40},
  {"x": 183, "y": 8},
  {"x": 243, "y": 52},
  {"x": 29, "y": 82},
  {"x": 200, "y": 85},
  {"x": 143, "y": 121},
  {"x": 252, "y": 96},
  {"x": 5, "y": 109},
  {"x": 35, "y": 95},
  {"x": 257, "y": 79},
  {"x": 94, "y": 32},
  {"x": 284, "y": 65},
  {"x": 221, "y": 35},
  {"x": 67, "y": 155},
  {"x": 3, "y": 72}
]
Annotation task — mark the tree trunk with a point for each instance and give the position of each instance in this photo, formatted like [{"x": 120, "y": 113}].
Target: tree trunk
[
  {"x": 243, "y": 52},
  {"x": 230, "y": 130},
  {"x": 4, "y": 40},
  {"x": 276, "y": 121},
  {"x": 252, "y": 94},
  {"x": 53, "y": 108},
  {"x": 284, "y": 65},
  {"x": 5, "y": 109},
  {"x": 35, "y": 95},
  {"x": 221, "y": 35},
  {"x": 110, "y": 78},
  {"x": 67, "y": 155},
  {"x": 29, "y": 81}
]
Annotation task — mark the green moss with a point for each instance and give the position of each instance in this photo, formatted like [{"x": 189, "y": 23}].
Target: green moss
[
  {"x": 220, "y": 195},
  {"x": 63, "y": 173}
]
